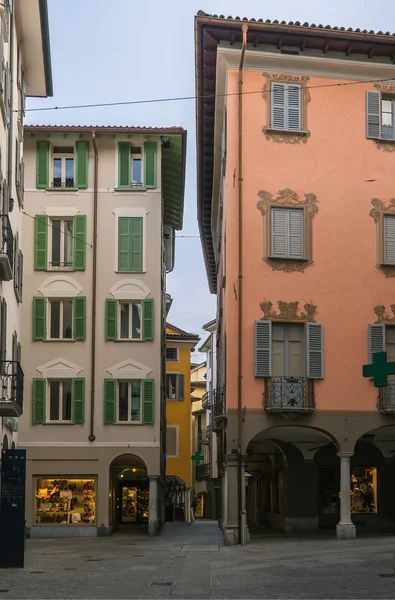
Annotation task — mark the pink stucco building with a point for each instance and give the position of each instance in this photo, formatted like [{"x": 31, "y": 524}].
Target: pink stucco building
[{"x": 296, "y": 141}]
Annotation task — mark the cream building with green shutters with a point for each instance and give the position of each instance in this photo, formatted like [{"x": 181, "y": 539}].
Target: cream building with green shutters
[{"x": 102, "y": 208}]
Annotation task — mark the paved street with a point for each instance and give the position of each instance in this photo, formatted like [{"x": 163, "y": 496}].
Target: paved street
[{"x": 188, "y": 561}]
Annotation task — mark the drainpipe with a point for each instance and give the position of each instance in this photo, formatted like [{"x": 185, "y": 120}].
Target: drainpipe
[
  {"x": 240, "y": 483},
  {"x": 92, "y": 436},
  {"x": 11, "y": 124}
]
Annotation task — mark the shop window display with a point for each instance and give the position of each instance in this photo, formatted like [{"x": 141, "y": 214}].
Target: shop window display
[
  {"x": 364, "y": 490},
  {"x": 62, "y": 501}
]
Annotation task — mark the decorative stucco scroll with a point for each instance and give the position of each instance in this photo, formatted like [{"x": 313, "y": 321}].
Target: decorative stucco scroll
[
  {"x": 288, "y": 312},
  {"x": 382, "y": 316}
]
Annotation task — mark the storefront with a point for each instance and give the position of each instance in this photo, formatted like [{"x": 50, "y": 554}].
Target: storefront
[
  {"x": 134, "y": 503},
  {"x": 66, "y": 501}
]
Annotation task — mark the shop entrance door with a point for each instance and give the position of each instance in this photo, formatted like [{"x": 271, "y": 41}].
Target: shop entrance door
[
  {"x": 129, "y": 494},
  {"x": 134, "y": 503}
]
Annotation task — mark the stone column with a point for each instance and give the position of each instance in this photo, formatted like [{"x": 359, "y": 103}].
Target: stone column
[
  {"x": 153, "y": 516},
  {"x": 345, "y": 529},
  {"x": 231, "y": 515}
]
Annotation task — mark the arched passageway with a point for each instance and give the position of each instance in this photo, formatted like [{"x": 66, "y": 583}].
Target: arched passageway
[
  {"x": 176, "y": 499},
  {"x": 129, "y": 494}
]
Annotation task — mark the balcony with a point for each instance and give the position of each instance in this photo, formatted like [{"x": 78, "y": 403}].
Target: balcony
[
  {"x": 206, "y": 400},
  {"x": 219, "y": 409},
  {"x": 202, "y": 472},
  {"x": 11, "y": 397},
  {"x": 289, "y": 395},
  {"x": 7, "y": 250},
  {"x": 204, "y": 436},
  {"x": 386, "y": 399},
  {"x": 67, "y": 183}
]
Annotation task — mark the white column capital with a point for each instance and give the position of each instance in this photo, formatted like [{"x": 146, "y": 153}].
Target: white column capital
[{"x": 345, "y": 455}]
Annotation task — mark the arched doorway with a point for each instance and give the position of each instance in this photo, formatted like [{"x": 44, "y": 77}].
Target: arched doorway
[
  {"x": 129, "y": 494},
  {"x": 176, "y": 498},
  {"x": 282, "y": 478}
]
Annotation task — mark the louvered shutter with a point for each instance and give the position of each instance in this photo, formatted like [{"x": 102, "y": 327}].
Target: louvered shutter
[
  {"x": 42, "y": 164},
  {"x": 278, "y": 105},
  {"x": 150, "y": 164},
  {"x": 148, "y": 401},
  {"x": 110, "y": 398},
  {"x": 376, "y": 340},
  {"x": 78, "y": 396},
  {"x": 136, "y": 244},
  {"x": 79, "y": 307},
  {"x": 39, "y": 318},
  {"x": 295, "y": 233},
  {"x": 315, "y": 350},
  {"x": 124, "y": 242},
  {"x": 79, "y": 242},
  {"x": 41, "y": 242},
  {"x": 124, "y": 164},
  {"x": 82, "y": 153},
  {"x": 389, "y": 239},
  {"x": 148, "y": 319},
  {"x": 293, "y": 106},
  {"x": 111, "y": 319},
  {"x": 279, "y": 232},
  {"x": 39, "y": 401},
  {"x": 373, "y": 114},
  {"x": 263, "y": 348},
  {"x": 180, "y": 387}
]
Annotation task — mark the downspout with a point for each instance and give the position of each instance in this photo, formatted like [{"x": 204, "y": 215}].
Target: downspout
[
  {"x": 240, "y": 483},
  {"x": 92, "y": 436},
  {"x": 11, "y": 123}
]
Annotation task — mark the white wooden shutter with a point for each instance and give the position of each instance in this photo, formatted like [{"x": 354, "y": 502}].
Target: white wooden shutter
[
  {"x": 263, "y": 348},
  {"x": 315, "y": 350},
  {"x": 376, "y": 340},
  {"x": 293, "y": 114},
  {"x": 279, "y": 232},
  {"x": 278, "y": 105},
  {"x": 295, "y": 233},
  {"x": 373, "y": 114},
  {"x": 389, "y": 239}
]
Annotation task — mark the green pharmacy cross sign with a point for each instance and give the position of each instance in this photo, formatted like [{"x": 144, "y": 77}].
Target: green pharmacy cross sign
[
  {"x": 197, "y": 457},
  {"x": 379, "y": 370}
]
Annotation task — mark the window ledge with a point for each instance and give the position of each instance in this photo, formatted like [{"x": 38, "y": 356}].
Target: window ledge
[
  {"x": 271, "y": 257},
  {"x": 128, "y": 341},
  {"x": 127, "y": 423},
  {"x": 60, "y": 270},
  {"x": 286, "y": 136},
  {"x": 288, "y": 264},
  {"x": 129, "y": 272},
  {"x": 130, "y": 189},
  {"x": 59, "y": 340},
  {"x": 60, "y": 189},
  {"x": 60, "y": 423}
]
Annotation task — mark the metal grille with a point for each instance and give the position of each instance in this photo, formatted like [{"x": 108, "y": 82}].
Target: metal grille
[{"x": 293, "y": 394}]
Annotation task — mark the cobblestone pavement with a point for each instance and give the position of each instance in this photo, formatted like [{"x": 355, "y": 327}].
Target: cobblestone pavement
[{"x": 188, "y": 561}]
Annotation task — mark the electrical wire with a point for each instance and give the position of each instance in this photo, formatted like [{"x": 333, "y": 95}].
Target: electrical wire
[{"x": 203, "y": 97}]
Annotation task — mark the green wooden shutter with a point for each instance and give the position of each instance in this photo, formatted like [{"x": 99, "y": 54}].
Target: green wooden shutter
[
  {"x": 150, "y": 164},
  {"x": 148, "y": 400},
  {"x": 78, "y": 395},
  {"x": 79, "y": 231},
  {"x": 39, "y": 318},
  {"x": 373, "y": 114},
  {"x": 376, "y": 340},
  {"x": 130, "y": 244},
  {"x": 124, "y": 160},
  {"x": 315, "y": 350},
  {"x": 148, "y": 319},
  {"x": 81, "y": 175},
  {"x": 111, "y": 319},
  {"x": 136, "y": 245},
  {"x": 263, "y": 348},
  {"x": 39, "y": 400},
  {"x": 79, "y": 307},
  {"x": 41, "y": 242},
  {"x": 42, "y": 164},
  {"x": 110, "y": 399}
]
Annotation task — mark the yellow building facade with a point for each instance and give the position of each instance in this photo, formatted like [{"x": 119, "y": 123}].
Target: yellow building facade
[{"x": 179, "y": 345}]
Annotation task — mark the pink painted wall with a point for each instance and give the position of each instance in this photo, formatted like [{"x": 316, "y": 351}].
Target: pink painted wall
[{"x": 344, "y": 281}]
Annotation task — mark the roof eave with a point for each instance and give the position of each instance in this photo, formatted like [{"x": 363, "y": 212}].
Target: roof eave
[{"x": 46, "y": 47}]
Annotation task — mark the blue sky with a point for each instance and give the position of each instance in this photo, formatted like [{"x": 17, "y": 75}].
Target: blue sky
[{"x": 129, "y": 50}]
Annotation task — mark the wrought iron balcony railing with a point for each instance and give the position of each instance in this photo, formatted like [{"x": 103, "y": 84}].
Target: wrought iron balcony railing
[
  {"x": 204, "y": 436},
  {"x": 67, "y": 183},
  {"x": 203, "y": 472},
  {"x": 218, "y": 409},
  {"x": 206, "y": 400},
  {"x": 386, "y": 399},
  {"x": 60, "y": 266},
  {"x": 11, "y": 393},
  {"x": 289, "y": 394},
  {"x": 6, "y": 250}
]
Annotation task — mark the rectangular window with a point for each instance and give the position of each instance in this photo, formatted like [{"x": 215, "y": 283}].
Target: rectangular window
[
  {"x": 287, "y": 233},
  {"x": 129, "y": 402},
  {"x": 61, "y": 319},
  {"x": 172, "y": 441},
  {"x": 172, "y": 354},
  {"x": 389, "y": 239},
  {"x": 130, "y": 321},
  {"x": 287, "y": 350},
  {"x": 136, "y": 168},
  {"x": 130, "y": 244},
  {"x": 60, "y": 401},
  {"x": 286, "y": 106},
  {"x": 388, "y": 118},
  {"x": 174, "y": 386},
  {"x": 63, "y": 167},
  {"x": 62, "y": 243},
  {"x": 65, "y": 501}
]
